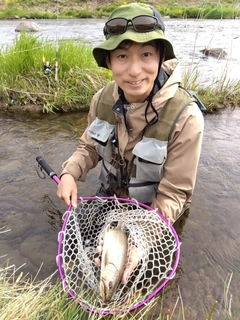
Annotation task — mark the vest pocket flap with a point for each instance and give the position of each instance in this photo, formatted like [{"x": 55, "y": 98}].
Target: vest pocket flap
[
  {"x": 151, "y": 150},
  {"x": 100, "y": 130}
]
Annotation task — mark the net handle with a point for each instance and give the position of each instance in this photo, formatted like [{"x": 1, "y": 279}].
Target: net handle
[
  {"x": 45, "y": 166},
  {"x": 52, "y": 174}
]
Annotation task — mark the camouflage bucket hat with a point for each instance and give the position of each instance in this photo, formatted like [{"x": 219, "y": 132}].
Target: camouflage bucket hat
[{"x": 129, "y": 12}]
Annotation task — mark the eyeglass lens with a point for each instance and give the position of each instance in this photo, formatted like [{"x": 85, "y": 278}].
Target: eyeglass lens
[
  {"x": 144, "y": 23},
  {"x": 140, "y": 24}
]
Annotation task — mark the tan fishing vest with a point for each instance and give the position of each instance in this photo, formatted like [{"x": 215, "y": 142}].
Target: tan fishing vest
[
  {"x": 167, "y": 116},
  {"x": 145, "y": 175}
]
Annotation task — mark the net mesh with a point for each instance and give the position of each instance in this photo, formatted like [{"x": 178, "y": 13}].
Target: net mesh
[{"x": 82, "y": 231}]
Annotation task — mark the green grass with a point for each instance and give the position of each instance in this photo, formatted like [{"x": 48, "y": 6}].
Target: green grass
[
  {"x": 22, "y": 297},
  {"x": 220, "y": 93},
  {"x": 202, "y": 12},
  {"x": 214, "y": 9},
  {"x": 25, "y": 298},
  {"x": 23, "y": 81},
  {"x": 71, "y": 88}
]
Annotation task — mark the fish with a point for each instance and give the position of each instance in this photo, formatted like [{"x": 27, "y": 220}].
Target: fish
[{"x": 113, "y": 261}]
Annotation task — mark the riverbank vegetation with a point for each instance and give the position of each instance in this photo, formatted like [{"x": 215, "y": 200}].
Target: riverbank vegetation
[
  {"x": 24, "y": 298},
  {"x": 69, "y": 86},
  {"x": 214, "y": 9},
  {"x": 74, "y": 77}
]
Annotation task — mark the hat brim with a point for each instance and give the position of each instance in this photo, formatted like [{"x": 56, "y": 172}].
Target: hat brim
[{"x": 113, "y": 41}]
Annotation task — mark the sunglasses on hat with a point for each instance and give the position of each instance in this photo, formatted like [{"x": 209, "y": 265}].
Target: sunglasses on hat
[{"x": 143, "y": 23}]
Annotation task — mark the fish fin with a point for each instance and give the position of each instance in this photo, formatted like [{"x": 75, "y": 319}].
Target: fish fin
[
  {"x": 120, "y": 225},
  {"x": 108, "y": 228}
]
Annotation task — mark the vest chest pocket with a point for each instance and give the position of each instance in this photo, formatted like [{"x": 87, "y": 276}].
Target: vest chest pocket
[
  {"x": 151, "y": 155},
  {"x": 102, "y": 132}
]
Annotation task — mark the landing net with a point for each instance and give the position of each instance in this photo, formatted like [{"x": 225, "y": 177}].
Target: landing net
[{"x": 82, "y": 230}]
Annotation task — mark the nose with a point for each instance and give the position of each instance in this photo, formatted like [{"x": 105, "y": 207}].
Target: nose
[{"x": 134, "y": 67}]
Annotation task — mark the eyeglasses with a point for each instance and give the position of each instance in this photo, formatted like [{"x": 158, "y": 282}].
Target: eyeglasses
[{"x": 143, "y": 23}]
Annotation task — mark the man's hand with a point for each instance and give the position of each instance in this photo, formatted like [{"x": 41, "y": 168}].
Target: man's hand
[
  {"x": 133, "y": 260},
  {"x": 67, "y": 190}
]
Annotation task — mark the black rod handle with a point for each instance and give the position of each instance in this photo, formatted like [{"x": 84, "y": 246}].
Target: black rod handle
[{"x": 46, "y": 167}]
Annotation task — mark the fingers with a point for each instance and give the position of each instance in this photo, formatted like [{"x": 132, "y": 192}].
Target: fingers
[
  {"x": 99, "y": 250},
  {"x": 133, "y": 260},
  {"x": 100, "y": 247},
  {"x": 97, "y": 261},
  {"x": 125, "y": 276},
  {"x": 66, "y": 197},
  {"x": 67, "y": 190},
  {"x": 128, "y": 270},
  {"x": 74, "y": 198}
]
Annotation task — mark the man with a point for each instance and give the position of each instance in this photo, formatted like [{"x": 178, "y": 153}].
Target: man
[{"x": 143, "y": 126}]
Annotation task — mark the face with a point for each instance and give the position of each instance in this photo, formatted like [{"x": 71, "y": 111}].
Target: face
[{"x": 134, "y": 68}]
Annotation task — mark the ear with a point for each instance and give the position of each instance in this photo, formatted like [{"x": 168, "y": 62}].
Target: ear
[
  {"x": 163, "y": 55},
  {"x": 108, "y": 63}
]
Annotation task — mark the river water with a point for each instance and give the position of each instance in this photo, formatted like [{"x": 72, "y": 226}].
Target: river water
[
  {"x": 210, "y": 235},
  {"x": 188, "y": 36}
]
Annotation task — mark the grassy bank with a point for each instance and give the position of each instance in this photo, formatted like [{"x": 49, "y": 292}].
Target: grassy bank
[
  {"x": 75, "y": 77},
  {"x": 70, "y": 85},
  {"x": 25, "y": 298},
  {"x": 213, "y": 9}
]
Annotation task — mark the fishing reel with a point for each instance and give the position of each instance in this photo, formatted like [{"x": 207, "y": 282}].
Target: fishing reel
[{"x": 47, "y": 68}]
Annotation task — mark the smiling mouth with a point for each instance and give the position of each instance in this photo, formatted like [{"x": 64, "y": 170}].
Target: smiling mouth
[{"x": 135, "y": 82}]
